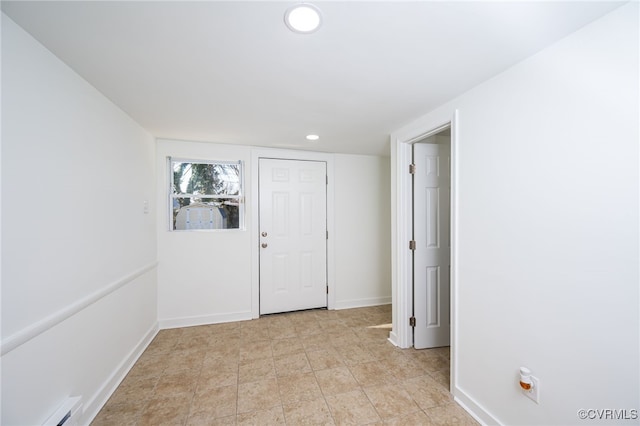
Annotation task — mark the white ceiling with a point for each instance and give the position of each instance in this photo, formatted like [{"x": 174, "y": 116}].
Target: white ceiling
[{"x": 232, "y": 72}]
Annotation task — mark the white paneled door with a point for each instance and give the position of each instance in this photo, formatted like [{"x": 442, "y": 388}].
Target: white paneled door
[
  {"x": 431, "y": 200},
  {"x": 293, "y": 235}
]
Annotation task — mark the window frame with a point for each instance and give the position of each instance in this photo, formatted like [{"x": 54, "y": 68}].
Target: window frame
[{"x": 240, "y": 197}]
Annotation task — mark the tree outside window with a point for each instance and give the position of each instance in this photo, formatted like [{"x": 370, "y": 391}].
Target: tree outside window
[{"x": 206, "y": 195}]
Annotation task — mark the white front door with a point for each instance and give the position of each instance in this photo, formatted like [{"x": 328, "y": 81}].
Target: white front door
[
  {"x": 293, "y": 235},
  {"x": 431, "y": 202}
]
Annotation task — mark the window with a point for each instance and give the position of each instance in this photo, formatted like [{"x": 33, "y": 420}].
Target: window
[{"x": 206, "y": 195}]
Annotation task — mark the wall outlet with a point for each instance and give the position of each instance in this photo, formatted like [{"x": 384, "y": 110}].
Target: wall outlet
[{"x": 534, "y": 392}]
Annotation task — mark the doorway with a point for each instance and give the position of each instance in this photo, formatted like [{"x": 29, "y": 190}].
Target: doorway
[
  {"x": 292, "y": 234},
  {"x": 402, "y": 229}
]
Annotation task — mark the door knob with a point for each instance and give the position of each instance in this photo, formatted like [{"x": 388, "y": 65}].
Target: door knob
[
  {"x": 264, "y": 245},
  {"x": 264, "y": 234}
]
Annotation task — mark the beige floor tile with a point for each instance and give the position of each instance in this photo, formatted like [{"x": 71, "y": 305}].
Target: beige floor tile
[
  {"x": 287, "y": 346},
  {"x": 291, "y": 364},
  {"x": 222, "y": 375},
  {"x": 324, "y": 359},
  {"x": 164, "y": 342},
  {"x": 309, "y": 367},
  {"x": 204, "y": 420},
  {"x": 391, "y": 401},
  {"x": 313, "y": 412},
  {"x": 194, "y": 342},
  {"x": 384, "y": 349},
  {"x": 443, "y": 377},
  {"x": 166, "y": 411},
  {"x": 344, "y": 337},
  {"x": 149, "y": 366},
  {"x": 179, "y": 384},
  {"x": 402, "y": 367},
  {"x": 227, "y": 338},
  {"x": 324, "y": 315},
  {"x": 200, "y": 419},
  {"x": 187, "y": 359},
  {"x": 426, "y": 392},
  {"x": 250, "y": 335},
  {"x": 285, "y": 332},
  {"x": 196, "y": 331},
  {"x": 259, "y": 395},
  {"x": 370, "y": 335},
  {"x": 336, "y": 380},
  {"x": 278, "y": 320},
  {"x": 222, "y": 354},
  {"x": 372, "y": 374},
  {"x": 224, "y": 421},
  {"x": 255, "y": 350},
  {"x": 135, "y": 388},
  {"x": 450, "y": 414},
  {"x": 309, "y": 328},
  {"x": 352, "y": 408},
  {"x": 333, "y": 325},
  {"x": 272, "y": 417},
  {"x": 298, "y": 387},
  {"x": 433, "y": 364},
  {"x": 429, "y": 352},
  {"x": 419, "y": 418},
  {"x": 259, "y": 369},
  {"x": 355, "y": 354},
  {"x": 225, "y": 327},
  {"x": 120, "y": 413},
  {"x": 215, "y": 403},
  {"x": 444, "y": 352},
  {"x": 315, "y": 342}
]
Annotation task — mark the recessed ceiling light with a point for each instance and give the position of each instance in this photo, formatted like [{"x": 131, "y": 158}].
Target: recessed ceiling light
[
  {"x": 313, "y": 137},
  {"x": 303, "y": 18}
]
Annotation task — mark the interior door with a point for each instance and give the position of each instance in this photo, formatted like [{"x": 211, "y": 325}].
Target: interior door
[
  {"x": 431, "y": 205},
  {"x": 293, "y": 235}
]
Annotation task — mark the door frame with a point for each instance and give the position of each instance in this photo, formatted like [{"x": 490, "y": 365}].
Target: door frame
[
  {"x": 254, "y": 219},
  {"x": 401, "y": 202}
]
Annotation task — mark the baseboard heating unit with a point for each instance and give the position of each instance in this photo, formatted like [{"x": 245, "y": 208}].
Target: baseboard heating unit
[{"x": 68, "y": 414}]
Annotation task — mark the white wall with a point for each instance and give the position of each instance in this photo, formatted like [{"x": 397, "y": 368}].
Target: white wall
[
  {"x": 78, "y": 258},
  {"x": 203, "y": 277},
  {"x": 363, "y": 247},
  {"x": 208, "y": 277},
  {"x": 547, "y": 274}
]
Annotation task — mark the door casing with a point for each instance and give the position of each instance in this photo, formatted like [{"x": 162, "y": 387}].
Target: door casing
[{"x": 254, "y": 226}]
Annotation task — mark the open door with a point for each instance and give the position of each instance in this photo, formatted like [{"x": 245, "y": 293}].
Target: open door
[{"x": 431, "y": 233}]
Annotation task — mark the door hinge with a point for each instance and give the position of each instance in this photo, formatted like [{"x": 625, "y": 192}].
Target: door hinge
[
  {"x": 327, "y": 235},
  {"x": 412, "y": 245},
  {"x": 327, "y": 179},
  {"x": 412, "y": 321},
  {"x": 327, "y": 288},
  {"x": 412, "y": 169}
]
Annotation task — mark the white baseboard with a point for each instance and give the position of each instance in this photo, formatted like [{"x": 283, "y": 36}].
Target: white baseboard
[
  {"x": 204, "y": 320},
  {"x": 393, "y": 338},
  {"x": 362, "y": 303},
  {"x": 95, "y": 404},
  {"x": 476, "y": 410}
]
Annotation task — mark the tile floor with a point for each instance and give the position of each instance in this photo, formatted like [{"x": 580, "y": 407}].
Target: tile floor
[{"x": 312, "y": 367}]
